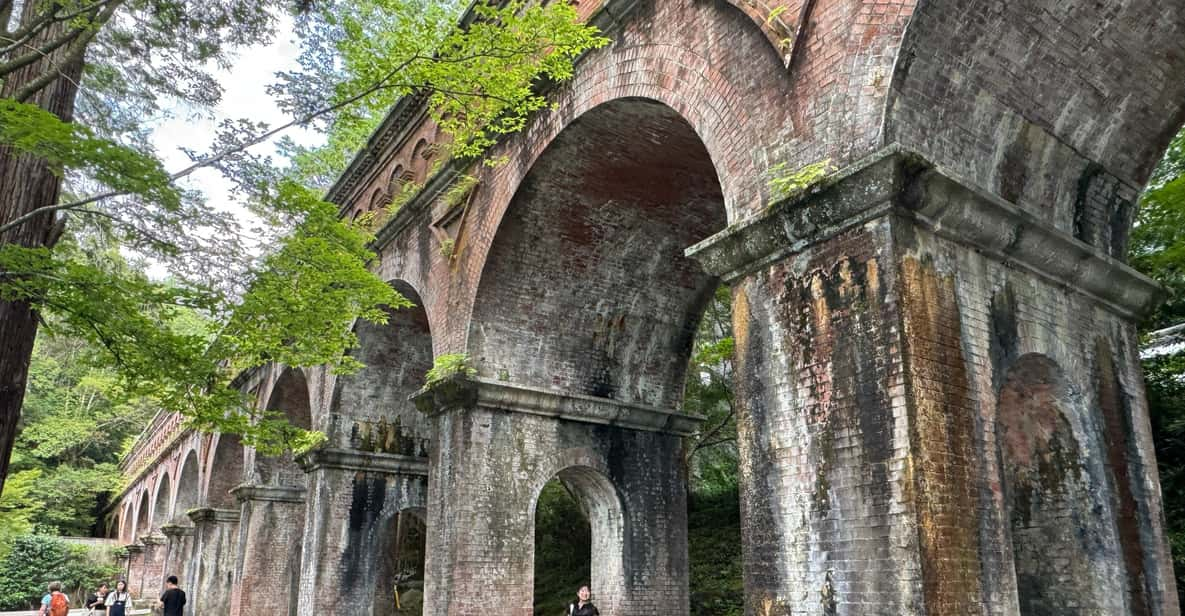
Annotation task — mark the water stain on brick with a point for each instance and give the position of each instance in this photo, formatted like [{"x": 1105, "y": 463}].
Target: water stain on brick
[
  {"x": 1119, "y": 439},
  {"x": 942, "y": 435}
]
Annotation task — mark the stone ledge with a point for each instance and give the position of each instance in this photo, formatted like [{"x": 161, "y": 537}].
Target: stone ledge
[
  {"x": 354, "y": 460},
  {"x": 277, "y": 494},
  {"x": 210, "y": 514},
  {"x": 904, "y": 183},
  {"x": 468, "y": 392},
  {"x": 176, "y": 530}
]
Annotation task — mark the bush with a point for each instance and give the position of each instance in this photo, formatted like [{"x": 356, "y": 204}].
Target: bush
[
  {"x": 714, "y": 551},
  {"x": 34, "y": 561}
]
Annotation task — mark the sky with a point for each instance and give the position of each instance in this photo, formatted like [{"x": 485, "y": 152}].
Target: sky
[{"x": 244, "y": 97}]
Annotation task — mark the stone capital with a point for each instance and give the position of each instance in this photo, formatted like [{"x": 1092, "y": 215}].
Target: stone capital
[
  {"x": 154, "y": 539},
  {"x": 133, "y": 548},
  {"x": 210, "y": 514},
  {"x": 277, "y": 494},
  {"x": 904, "y": 184},
  {"x": 468, "y": 392},
  {"x": 176, "y": 530},
  {"x": 366, "y": 461}
]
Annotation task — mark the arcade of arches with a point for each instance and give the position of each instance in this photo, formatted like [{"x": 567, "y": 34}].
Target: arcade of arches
[{"x": 940, "y": 404}]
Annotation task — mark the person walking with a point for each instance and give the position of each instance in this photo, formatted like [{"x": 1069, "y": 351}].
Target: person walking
[
  {"x": 582, "y": 606},
  {"x": 96, "y": 602},
  {"x": 56, "y": 603},
  {"x": 118, "y": 600},
  {"x": 172, "y": 602}
]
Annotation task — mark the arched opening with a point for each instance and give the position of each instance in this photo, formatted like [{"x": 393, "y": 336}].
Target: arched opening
[
  {"x": 289, "y": 398},
  {"x": 188, "y": 490},
  {"x": 399, "y": 566},
  {"x": 372, "y": 406},
  {"x": 115, "y": 527},
  {"x": 579, "y": 536},
  {"x": 1047, "y": 500},
  {"x": 599, "y": 226},
  {"x": 143, "y": 517},
  {"x": 161, "y": 512},
  {"x": 225, "y": 471}
]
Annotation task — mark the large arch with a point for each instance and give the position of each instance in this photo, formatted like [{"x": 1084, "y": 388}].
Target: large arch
[
  {"x": 289, "y": 398},
  {"x": 188, "y": 487},
  {"x": 371, "y": 408},
  {"x": 162, "y": 504},
  {"x": 143, "y": 517},
  {"x": 224, "y": 470},
  {"x": 599, "y": 227}
]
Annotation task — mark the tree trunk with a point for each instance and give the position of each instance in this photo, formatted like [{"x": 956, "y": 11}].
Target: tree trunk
[{"x": 27, "y": 183}]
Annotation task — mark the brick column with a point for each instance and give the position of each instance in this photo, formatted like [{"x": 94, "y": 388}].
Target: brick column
[
  {"x": 135, "y": 568},
  {"x": 215, "y": 548},
  {"x": 267, "y": 568},
  {"x": 152, "y": 580},
  {"x": 497, "y": 445},
  {"x": 869, "y": 363},
  {"x": 354, "y": 498},
  {"x": 178, "y": 554}
]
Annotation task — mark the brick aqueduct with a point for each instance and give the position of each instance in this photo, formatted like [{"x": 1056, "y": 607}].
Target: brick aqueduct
[{"x": 942, "y": 405}]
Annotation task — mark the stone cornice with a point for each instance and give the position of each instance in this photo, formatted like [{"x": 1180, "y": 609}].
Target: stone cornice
[
  {"x": 210, "y": 514},
  {"x": 277, "y": 494},
  {"x": 367, "y": 461},
  {"x": 176, "y": 530},
  {"x": 903, "y": 183},
  {"x": 148, "y": 540},
  {"x": 462, "y": 392},
  {"x": 133, "y": 548}
]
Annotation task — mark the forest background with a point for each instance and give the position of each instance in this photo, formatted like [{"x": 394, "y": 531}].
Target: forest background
[{"x": 93, "y": 379}]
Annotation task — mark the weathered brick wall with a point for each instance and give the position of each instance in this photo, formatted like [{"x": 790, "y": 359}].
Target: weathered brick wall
[
  {"x": 824, "y": 434},
  {"x": 488, "y": 468},
  {"x": 215, "y": 547},
  {"x": 1060, "y": 106},
  {"x": 350, "y": 538},
  {"x": 267, "y": 565}
]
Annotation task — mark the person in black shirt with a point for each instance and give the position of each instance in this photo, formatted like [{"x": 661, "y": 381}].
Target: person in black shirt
[
  {"x": 582, "y": 606},
  {"x": 96, "y": 602},
  {"x": 173, "y": 601}
]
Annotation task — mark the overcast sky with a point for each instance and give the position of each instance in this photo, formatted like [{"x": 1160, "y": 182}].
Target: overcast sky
[{"x": 244, "y": 97}]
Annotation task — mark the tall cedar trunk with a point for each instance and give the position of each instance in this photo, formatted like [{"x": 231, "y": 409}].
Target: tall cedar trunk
[{"x": 27, "y": 183}]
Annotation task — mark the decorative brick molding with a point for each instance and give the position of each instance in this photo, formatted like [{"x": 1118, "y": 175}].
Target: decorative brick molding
[{"x": 900, "y": 182}]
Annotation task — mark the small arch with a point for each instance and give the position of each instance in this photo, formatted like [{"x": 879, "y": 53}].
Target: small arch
[
  {"x": 161, "y": 511},
  {"x": 421, "y": 155},
  {"x": 400, "y": 561},
  {"x": 377, "y": 200},
  {"x": 602, "y": 508},
  {"x": 400, "y": 178}
]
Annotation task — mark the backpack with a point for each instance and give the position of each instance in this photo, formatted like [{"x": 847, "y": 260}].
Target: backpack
[{"x": 58, "y": 605}]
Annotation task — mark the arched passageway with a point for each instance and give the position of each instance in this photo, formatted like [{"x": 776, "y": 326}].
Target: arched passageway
[
  {"x": 371, "y": 477},
  {"x": 224, "y": 471},
  {"x": 289, "y": 400},
  {"x": 143, "y": 517},
  {"x": 579, "y": 535}
]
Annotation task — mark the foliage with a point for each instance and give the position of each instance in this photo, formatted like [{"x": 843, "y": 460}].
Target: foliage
[
  {"x": 34, "y": 561},
  {"x": 76, "y": 420},
  {"x": 714, "y": 553},
  {"x": 563, "y": 550},
  {"x": 446, "y": 366},
  {"x": 1164, "y": 379},
  {"x": 460, "y": 189},
  {"x": 711, "y": 456},
  {"x": 784, "y": 183},
  {"x": 296, "y": 304},
  {"x": 1158, "y": 236}
]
